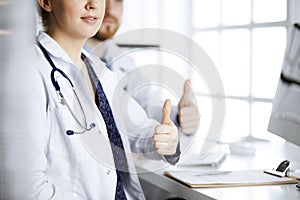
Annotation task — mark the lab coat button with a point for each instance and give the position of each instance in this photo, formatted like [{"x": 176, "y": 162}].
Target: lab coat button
[{"x": 108, "y": 172}]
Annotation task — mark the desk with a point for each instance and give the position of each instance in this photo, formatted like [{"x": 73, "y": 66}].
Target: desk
[{"x": 266, "y": 156}]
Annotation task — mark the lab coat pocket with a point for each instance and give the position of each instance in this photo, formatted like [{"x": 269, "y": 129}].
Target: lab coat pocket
[
  {"x": 98, "y": 146},
  {"x": 62, "y": 144}
]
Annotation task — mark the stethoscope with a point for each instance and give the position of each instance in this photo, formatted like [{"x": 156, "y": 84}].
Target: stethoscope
[{"x": 61, "y": 97}]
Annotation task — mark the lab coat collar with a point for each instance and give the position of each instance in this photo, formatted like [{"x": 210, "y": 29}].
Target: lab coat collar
[
  {"x": 52, "y": 47},
  {"x": 55, "y": 50}
]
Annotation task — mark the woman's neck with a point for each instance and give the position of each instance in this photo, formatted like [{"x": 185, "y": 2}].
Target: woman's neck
[{"x": 71, "y": 46}]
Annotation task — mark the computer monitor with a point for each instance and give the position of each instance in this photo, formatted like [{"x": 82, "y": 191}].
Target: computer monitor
[{"x": 285, "y": 116}]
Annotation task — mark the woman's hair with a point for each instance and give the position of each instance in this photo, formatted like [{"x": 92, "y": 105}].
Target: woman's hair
[{"x": 44, "y": 16}]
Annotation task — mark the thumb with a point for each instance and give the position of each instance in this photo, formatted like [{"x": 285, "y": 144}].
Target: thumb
[
  {"x": 166, "y": 110},
  {"x": 185, "y": 99}
]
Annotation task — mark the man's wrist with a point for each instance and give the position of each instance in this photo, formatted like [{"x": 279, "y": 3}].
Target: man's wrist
[{"x": 173, "y": 159}]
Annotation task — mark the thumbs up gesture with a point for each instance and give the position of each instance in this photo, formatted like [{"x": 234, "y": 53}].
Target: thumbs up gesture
[
  {"x": 189, "y": 117},
  {"x": 166, "y": 135}
]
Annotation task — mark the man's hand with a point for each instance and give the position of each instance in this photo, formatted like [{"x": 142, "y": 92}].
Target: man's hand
[
  {"x": 166, "y": 135},
  {"x": 189, "y": 117}
]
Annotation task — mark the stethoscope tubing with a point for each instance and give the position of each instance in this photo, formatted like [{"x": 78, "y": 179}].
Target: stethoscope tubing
[{"x": 62, "y": 99}]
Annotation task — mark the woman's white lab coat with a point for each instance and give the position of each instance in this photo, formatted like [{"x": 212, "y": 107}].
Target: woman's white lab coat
[{"x": 80, "y": 166}]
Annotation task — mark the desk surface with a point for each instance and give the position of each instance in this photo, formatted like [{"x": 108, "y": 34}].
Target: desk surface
[{"x": 266, "y": 155}]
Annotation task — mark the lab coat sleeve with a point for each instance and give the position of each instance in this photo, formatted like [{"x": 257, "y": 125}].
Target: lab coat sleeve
[
  {"x": 131, "y": 118},
  {"x": 140, "y": 129},
  {"x": 26, "y": 136},
  {"x": 150, "y": 97}
]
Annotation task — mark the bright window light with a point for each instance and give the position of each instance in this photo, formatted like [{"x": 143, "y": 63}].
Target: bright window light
[
  {"x": 244, "y": 38},
  {"x": 269, "y": 10},
  {"x": 268, "y": 52},
  {"x": 235, "y": 59},
  {"x": 260, "y": 118},
  {"x": 236, "y": 12},
  {"x": 206, "y": 13},
  {"x": 209, "y": 41},
  {"x": 236, "y": 119}
]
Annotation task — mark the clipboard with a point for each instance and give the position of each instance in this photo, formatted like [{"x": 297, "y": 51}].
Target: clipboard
[{"x": 197, "y": 179}]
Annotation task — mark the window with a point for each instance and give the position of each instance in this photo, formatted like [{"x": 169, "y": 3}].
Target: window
[{"x": 246, "y": 40}]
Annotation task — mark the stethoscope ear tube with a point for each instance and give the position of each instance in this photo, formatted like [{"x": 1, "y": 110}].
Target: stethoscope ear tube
[
  {"x": 54, "y": 69},
  {"x": 54, "y": 82}
]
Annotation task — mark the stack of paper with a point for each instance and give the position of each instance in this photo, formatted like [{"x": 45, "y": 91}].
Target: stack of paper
[{"x": 228, "y": 178}]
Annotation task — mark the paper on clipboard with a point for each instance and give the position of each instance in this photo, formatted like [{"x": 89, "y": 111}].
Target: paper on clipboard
[{"x": 228, "y": 179}]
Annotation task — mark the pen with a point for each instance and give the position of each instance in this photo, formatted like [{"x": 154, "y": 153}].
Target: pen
[{"x": 210, "y": 173}]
